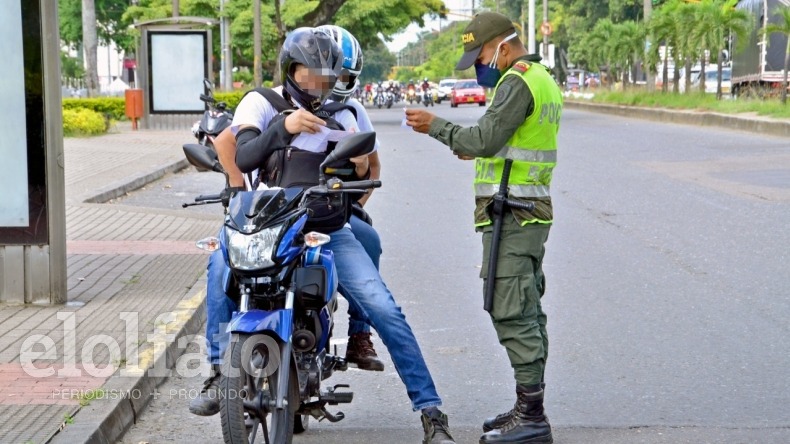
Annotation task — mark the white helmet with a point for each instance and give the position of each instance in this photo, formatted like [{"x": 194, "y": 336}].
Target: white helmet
[{"x": 352, "y": 61}]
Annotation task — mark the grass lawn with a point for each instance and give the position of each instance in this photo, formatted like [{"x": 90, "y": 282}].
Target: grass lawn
[{"x": 695, "y": 101}]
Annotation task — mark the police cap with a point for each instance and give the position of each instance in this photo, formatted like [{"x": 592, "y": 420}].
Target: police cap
[{"x": 485, "y": 26}]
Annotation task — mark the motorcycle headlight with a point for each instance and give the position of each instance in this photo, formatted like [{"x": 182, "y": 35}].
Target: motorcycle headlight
[{"x": 253, "y": 251}]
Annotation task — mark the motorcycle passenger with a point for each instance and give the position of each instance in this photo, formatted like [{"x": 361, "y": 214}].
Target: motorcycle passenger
[
  {"x": 360, "y": 349},
  {"x": 307, "y": 84},
  {"x": 219, "y": 307}
]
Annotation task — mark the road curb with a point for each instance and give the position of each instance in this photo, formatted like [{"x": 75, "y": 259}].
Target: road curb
[
  {"x": 700, "y": 118},
  {"x": 114, "y": 191},
  {"x": 106, "y": 420}
]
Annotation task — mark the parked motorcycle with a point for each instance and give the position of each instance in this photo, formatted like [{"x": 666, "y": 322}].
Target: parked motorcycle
[
  {"x": 285, "y": 284},
  {"x": 215, "y": 119}
]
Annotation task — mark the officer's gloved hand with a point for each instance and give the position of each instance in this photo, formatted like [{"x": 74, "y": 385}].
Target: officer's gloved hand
[{"x": 227, "y": 193}]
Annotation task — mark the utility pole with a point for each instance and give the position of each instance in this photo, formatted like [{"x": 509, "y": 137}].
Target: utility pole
[
  {"x": 531, "y": 28},
  {"x": 650, "y": 80},
  {"x": 545, "y": 35},
  {"x": 175, "y": 8},
  {"x": 226, "y": 58},
  {"x": 256, "y": 32}
]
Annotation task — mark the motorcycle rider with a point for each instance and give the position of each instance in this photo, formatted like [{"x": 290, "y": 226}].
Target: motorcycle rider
[
  {"x": 219, "y": 307},
  {"x": 427, "y": 97},
  {"x": 308, "y": 80}
]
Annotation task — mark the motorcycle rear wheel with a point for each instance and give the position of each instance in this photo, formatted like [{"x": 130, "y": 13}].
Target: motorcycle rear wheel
[{"x": 238, "y": 386}]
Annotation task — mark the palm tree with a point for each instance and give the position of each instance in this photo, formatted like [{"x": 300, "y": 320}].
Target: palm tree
[
  {"x": 717, "y": 21},
  {"x": 663, "y": 28},
  {"x": 627, "y": 46},
  {"x": 687, "y": 48},
  {"x": 598, "y": 45},
  {"x": 783, "y": 27}
]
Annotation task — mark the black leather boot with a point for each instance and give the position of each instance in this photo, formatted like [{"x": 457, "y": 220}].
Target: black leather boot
[
  {"x": 207, "y": 404},
  {"x": 500, "y": 420},
  {"x": 528, "y": 423}
]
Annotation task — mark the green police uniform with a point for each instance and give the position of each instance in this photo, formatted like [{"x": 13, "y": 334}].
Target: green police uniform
[{"x": 521, "y": 124}]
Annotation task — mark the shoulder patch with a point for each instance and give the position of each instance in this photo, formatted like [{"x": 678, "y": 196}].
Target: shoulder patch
[
  {"x": 521, "y": 67},
  {"x": 502, "y": 92}
]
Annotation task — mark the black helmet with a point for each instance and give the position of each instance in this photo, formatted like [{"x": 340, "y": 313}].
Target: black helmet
[{"x": 317, "y": 51}]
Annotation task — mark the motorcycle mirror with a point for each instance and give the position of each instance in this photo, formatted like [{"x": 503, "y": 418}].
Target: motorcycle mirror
[
  {"x": 202, "y": 157},
  {"x": 207, "y": 85},
  {"x": 354, "y": 145}
]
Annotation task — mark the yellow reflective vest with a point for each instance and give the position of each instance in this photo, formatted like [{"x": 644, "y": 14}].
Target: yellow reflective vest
[{"x": 533, "y": 147}]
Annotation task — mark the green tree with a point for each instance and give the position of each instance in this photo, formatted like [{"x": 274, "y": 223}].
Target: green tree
[
  {"x": 783, "y": 27},
  {"x": 662, "y": 29},
  {"x": 627, "y": 46},
  {"x": 110, "y": 25}
]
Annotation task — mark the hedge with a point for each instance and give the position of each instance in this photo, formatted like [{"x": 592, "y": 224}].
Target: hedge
[
  {"x": 83, "y": 122},
  {"x": 112, "y": 107}
]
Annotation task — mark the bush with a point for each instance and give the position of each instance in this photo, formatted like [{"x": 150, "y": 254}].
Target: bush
[
  {"x": 112, "y": 107},
  {"x": 83, "y": 122},
  {"x": 232, "y": 99}
]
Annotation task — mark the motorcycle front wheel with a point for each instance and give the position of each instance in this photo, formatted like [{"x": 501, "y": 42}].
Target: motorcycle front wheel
[{"x": 248, "y": 390}]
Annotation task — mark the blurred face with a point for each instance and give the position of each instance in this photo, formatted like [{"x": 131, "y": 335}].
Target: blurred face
[
  {"x": 317, "y": 82},
  {"x": 489, "y": 50}
]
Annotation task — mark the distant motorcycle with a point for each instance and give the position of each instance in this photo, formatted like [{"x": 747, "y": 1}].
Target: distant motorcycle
[
  {"x": 215, "y": 119},
  {"x": 388, "y": 99},
  {"x": 427, "y": 98},
  {"x": 411, "y": 95},
  {"x": 379, "y": 100}
]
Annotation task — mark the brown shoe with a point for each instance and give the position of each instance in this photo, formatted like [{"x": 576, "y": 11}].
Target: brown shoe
[{"x": 360, "y": 351}]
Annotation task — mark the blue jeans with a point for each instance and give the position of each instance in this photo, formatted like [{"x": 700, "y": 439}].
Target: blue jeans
[
  {"x": 361, "y": 283},
  {"x": 220, "y": 308},
  {"x": 369, "y": 238}
]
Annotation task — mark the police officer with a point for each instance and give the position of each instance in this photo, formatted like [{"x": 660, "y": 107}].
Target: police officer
[{"x": 521, "y": 124}]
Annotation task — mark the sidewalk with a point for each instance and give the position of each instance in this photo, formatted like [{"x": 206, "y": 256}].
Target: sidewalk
[{"x": 134, "y": 276}]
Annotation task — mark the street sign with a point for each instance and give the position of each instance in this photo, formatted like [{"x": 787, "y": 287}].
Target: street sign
[{"x": 545, "y": 28}]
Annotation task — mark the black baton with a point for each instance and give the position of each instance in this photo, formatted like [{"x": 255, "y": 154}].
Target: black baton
[{"x": 498, "y": 210}]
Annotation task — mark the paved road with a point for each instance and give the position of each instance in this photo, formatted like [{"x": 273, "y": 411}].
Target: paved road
[{"x": 668, "y": 290}]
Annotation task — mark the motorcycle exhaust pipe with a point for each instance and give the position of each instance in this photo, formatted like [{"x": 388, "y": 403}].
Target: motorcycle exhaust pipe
[{"x": 303, "y": 340}]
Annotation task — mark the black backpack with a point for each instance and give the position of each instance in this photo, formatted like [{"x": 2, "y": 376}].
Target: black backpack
[{"x": 294, "y": 167}]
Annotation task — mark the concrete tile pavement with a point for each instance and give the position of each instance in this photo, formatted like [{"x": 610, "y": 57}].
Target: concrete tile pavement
[{"x": 76, "y": 372}]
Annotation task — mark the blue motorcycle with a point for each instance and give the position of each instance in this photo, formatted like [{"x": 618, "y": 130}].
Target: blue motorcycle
[{"x": 286, "y": 287}]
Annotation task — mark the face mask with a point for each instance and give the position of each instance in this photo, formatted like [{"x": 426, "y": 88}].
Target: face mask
[{"x": 489, "y": 75}]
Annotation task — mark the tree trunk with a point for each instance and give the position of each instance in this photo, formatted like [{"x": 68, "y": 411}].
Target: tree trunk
[
  {"x": 256, "y": 33},
  {"x": 647, "y": 6},
  {"x": 665, "y": 71},
  {"x": 719, "y": 67},
  {"x": 281, "y": 31},
  {"x": 687, "y": 76},
  {"x": 787, "y": 65},
  {"x": 90, "y": 43},
  {"x": 702, "y": 73}
]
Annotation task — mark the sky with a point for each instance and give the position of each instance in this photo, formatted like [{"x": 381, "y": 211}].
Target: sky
[{"x": 402, "y": 39}]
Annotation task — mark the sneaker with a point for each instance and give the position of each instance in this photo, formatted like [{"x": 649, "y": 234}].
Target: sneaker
[
  {"x": 207, "y": 404},
  {"x": 437, "y": 430},
  {"x": 360, "y": 351}
]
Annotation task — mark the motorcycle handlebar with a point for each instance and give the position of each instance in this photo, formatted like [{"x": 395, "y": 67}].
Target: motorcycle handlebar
[
  {"x": 205, "y": 197},
  {"x": 357, "y": 184}
]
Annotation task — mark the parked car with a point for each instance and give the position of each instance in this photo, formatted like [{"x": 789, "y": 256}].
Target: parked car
[
  {"x": 467, "y": 91},
  {"x": 445, "y": 88},
  {"x": 711, "y": 79}
]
